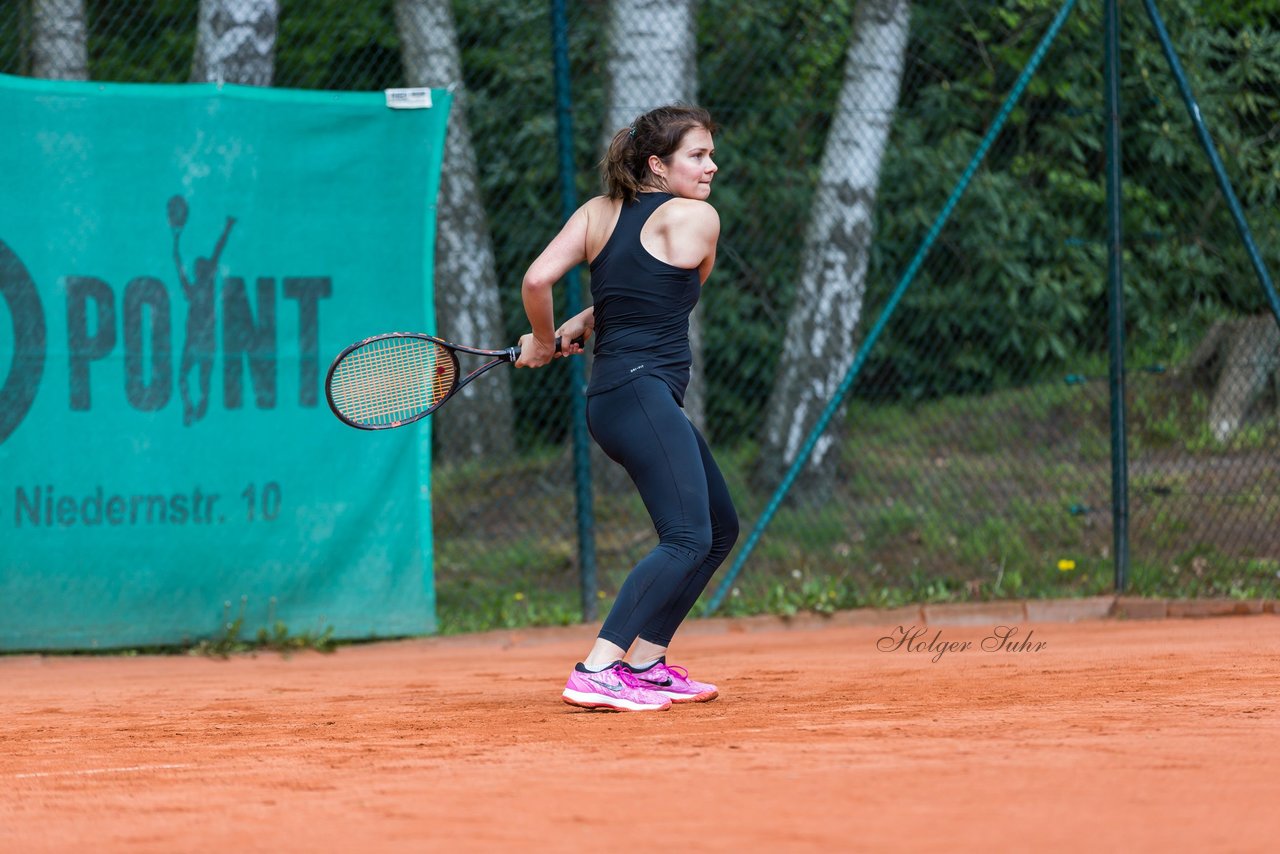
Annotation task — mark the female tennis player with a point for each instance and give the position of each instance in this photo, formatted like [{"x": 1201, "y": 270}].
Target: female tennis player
[{"x": 651, "y": 243}]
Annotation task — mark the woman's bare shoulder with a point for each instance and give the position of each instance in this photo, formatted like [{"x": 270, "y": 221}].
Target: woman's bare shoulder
[
  {"x": 601, "y": 214},
  {"x": 691, "y": 212},
  {"x": 598, "y": 206}
]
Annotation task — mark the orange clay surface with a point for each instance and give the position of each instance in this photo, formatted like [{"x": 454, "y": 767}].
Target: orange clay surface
[{"x": 1113, "y": 736}]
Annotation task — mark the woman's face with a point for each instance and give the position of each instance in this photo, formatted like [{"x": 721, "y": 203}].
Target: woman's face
[{"x": 688, "y": 171}]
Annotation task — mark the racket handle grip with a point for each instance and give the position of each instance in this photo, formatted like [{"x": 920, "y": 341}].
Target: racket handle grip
[{"x": 513, "y": 353}]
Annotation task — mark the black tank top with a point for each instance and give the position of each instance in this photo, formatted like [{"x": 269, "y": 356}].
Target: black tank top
[{"x": 642, "y": 308}]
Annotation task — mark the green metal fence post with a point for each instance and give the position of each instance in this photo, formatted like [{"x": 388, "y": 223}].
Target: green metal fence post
[
  {"x": 1115, "y": 305},
  {"x": 569, "y": 203}
]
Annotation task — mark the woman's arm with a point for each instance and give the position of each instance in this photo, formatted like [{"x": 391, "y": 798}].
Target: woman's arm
[
  {"x": 581, "y": 325},
  {"x": 711, "y": 234},
  {"x": 563, "y": 253}
]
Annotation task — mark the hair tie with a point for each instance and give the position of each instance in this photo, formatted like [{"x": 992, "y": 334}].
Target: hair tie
[{"x": 632, "y": 134}]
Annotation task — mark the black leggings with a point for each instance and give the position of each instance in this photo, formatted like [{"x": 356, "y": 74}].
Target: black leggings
[{"x": 640, "y": 426}]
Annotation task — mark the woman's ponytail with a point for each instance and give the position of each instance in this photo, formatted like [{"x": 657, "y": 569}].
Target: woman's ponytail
[{"x": 622, "y": 180}]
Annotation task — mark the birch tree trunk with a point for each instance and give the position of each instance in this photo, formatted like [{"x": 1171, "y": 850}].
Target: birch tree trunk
[
  {"x": 652, "y": 62},
  {"x": 59, "y": 40},
  {"x": 468, "y": 309},
  {"x": 821, "y": 338},
  {"x": 236, "y": 42}
]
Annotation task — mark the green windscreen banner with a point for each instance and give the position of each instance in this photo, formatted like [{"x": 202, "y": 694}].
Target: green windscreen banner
[{"x": 178, "y": 267}]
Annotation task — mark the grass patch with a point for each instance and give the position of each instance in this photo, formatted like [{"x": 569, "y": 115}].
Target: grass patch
[{"x": 277, "y": 637}]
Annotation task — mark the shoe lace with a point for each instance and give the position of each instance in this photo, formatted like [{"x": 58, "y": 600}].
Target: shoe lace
[
  {"x": 625, "y": 676},
  {"x": 677, "y": 670}
]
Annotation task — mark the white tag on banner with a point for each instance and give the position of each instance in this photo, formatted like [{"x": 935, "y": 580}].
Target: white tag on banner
[{"x": 409, "y": 99}]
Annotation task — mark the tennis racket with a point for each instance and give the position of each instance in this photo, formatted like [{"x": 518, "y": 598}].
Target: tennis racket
[{"x": 398, "y": 378}]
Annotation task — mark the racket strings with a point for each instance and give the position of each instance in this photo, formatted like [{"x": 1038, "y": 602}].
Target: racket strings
[{"x": 392, "y": 380}]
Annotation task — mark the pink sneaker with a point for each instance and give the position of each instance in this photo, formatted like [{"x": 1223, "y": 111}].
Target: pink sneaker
[
  {"x": 614, "y": 688},
  {"x": 673, "y": 681}
]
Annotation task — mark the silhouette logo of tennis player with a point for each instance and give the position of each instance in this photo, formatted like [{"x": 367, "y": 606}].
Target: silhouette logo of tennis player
[{"x": 198, "y": 349}]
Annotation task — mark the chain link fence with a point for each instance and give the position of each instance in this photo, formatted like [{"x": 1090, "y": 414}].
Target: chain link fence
[{"x": 971, "y": 458}]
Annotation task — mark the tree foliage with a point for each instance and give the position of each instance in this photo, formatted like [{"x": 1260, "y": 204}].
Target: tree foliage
[{"x": 1016, "y": 286}]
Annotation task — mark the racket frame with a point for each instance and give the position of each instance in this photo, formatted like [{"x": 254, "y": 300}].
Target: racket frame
[{"x": 505, "y": 355}]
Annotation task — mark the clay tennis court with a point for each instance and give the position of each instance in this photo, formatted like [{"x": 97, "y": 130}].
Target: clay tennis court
[{"x": 1115, "y": 735}]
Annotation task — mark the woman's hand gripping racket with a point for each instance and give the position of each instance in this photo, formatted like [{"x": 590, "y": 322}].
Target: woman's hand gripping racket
[{"x": 401, "y": 377}]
